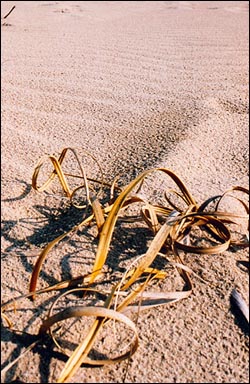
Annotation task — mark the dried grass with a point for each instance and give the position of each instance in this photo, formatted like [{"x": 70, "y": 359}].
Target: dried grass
[{"x": 174, "y": 230}]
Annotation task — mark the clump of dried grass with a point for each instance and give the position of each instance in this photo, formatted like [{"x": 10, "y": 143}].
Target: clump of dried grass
[{"x": 174, "y": 226}]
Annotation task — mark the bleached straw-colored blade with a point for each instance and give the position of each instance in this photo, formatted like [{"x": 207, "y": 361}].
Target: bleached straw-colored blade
[
  {"x": 98, "y": 213},
  {"x": 148, "y": 300},
  {"x": 57, "y": 171},
  {"x": 83, "y": 349},
  {"x": 108, "y": 227},
  {"x": 150, "y": 216},
  {"x": 81, "y": 352},
  {"x": 219, "y": 228},
  {"x": 150, "y": 255}
]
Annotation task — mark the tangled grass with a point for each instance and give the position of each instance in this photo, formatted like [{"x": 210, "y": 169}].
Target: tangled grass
[{"x": 174, "y": 224}]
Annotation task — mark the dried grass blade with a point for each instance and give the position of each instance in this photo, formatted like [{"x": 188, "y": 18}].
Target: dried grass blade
[
  {"x": 81, "y": 352},
  {"x": 186, "y": 194},
  {"x": 108, "y": 227},
  {"x": 159, "y": 298},
  {"x": 156, "y": 299},
  {"x": 132, "y": 295},
  {"x": 36, "y": 173},
  {"x": 10, "y": 324},
  {"x": 82, "y": 170},
  {"x": 219, "y": 228},
  {"x": 60, "y": 175},
  {"x": 80, "y": 355},
  {"x": 98, "y": 212},
  {"x": 149, "y": 215},
  {"x": 150, "y": 255},
  {"x": 57, "y": 171},
  {"x": 83, "y": 348}
]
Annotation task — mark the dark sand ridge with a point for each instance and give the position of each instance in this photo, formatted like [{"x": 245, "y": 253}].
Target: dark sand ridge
[{"x": 138, "y": 85}]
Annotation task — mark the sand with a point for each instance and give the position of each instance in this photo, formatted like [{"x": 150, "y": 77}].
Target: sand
[{"x": 138, "y": 85}]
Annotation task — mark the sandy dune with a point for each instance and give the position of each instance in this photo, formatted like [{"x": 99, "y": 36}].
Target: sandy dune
[{"x": 137, "y": 84}]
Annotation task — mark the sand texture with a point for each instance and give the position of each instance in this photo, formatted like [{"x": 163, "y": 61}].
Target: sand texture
[{"x": 137, "y": 84}]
